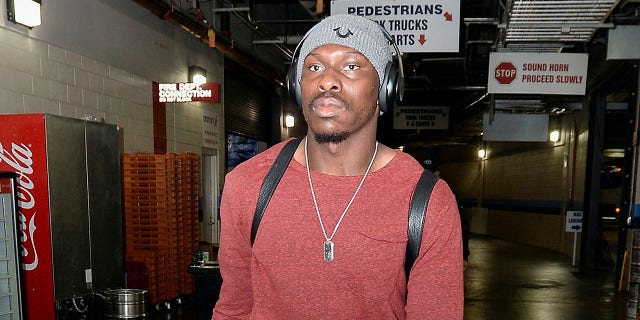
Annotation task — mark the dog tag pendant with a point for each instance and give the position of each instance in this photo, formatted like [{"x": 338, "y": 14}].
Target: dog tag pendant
[{"x": 328, "y": 251}]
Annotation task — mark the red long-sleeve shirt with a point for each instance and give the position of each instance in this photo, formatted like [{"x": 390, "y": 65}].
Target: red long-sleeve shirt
[{"x": 284, "y": 275}]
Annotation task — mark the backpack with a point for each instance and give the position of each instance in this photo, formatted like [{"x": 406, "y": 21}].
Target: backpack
[{"x": 417, "y": 209}]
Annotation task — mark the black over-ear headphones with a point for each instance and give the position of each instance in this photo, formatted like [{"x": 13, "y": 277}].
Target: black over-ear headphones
[{"x": 391, "y": 91}]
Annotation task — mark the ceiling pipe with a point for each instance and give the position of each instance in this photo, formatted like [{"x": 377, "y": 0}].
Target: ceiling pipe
[
  {"x": 253, "y": 26},
  {"x": 163, "y": 11}
]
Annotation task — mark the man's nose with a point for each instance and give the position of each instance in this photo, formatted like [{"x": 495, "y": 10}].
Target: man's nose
[{"x": 330, "y": 80}]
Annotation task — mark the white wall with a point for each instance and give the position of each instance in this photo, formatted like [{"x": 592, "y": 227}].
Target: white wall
[{"x": 97, "y": 59}]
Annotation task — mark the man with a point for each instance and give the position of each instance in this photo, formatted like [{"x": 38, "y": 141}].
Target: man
[
  {"x": 433, "y": 166},
  {"x": 332, "y": 242}
]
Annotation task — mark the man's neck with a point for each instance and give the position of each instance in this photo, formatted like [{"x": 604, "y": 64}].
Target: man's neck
[{"x": 347, "y": 158}]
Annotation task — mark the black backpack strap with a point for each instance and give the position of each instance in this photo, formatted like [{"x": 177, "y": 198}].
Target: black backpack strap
[
  {"x": 270, "y": 183},
  {"x": 417, "y": 213}
]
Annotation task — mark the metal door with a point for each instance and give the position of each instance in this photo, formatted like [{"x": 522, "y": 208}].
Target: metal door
[{"x": 210, "y": 225}]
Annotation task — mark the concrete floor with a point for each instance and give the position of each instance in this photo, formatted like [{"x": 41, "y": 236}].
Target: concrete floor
[{"x": 510, "y": 281}]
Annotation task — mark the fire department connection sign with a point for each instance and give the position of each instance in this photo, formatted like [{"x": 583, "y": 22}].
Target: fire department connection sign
[
  {"x": 541, "y": 73},
  {"x": 416, "y": 26},
  {"x": 185, "y": 92},
  {"x": 420, "y": 117}
]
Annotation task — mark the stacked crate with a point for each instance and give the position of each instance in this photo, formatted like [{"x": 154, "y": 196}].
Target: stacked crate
[
  {"x": 172, "y": 163},
  {"x": 145, "y": 208},
  {"x": 160, "y": 200},
  {"x": 190, "y": 187}
]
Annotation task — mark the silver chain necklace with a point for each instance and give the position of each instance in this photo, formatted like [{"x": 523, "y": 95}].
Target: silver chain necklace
[{"x": 328, "y": 243}]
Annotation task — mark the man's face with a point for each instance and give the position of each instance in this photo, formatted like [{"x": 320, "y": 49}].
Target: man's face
[{"x": 339, "y": 89}]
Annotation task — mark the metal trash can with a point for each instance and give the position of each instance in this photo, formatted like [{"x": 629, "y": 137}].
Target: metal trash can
[{"x": 125, "y": 303}]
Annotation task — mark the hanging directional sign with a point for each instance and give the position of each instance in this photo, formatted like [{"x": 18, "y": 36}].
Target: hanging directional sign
[
  {"x": 415, "y": 26},
  {"x": 420, "y": 117},
  {"x": 538, "y": 73},
  {"x": 574, "y": 221}
]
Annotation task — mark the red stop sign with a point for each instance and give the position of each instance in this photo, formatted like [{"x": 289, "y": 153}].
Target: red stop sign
[{"x": 505, "y": 72}]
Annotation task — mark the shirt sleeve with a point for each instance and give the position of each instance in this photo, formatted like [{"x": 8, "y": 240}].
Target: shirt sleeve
[
  {"x": 236, "y": 299},
  {"x": 435, "y": 288}
]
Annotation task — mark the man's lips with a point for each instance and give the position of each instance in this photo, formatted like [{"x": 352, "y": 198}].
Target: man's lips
[{"x": 327, "y": 107}]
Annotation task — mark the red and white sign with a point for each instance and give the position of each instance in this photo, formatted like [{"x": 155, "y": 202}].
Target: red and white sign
[
  {"x": 185, "y": 92},
  {"x": 538, "y": 73},
  {"x": 505, "y": 72},
  {"x": 23, "y": 150},
  {"x": 416, "y": 26}
]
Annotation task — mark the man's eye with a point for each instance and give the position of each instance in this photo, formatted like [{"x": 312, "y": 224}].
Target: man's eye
[
  {"x": 315, "y": 67},
  {"x": 351, "y": 67}
]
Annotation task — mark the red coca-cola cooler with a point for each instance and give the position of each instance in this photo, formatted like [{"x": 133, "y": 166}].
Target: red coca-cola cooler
[{"x": 69, "y": 210}]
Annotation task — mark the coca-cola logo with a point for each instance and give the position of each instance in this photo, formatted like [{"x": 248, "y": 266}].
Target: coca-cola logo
[{"x": 20, "y": 158}]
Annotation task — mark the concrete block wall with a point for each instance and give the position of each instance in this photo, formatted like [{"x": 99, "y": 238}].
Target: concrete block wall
[
  {"x": 184, "y": 126},
  {"x": 531, "y": 178},
  {"x": 526, "y": 194},
  {"x": 37, "y": 77},
  {"x": 518, "y": 178},
  {"x": 528, "y": 175},
  {"x": 52, "y": 69}
]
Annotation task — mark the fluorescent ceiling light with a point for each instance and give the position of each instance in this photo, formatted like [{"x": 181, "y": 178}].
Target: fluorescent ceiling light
[
  {"x": 199, "y": 79},
  {"x": 613, "y": 153},
  {"x": 25, "y": 12},
  {"x": 289, "y": 121},
  {"x": 554, "y": 136},
  {"x": 197, "y": 75}
]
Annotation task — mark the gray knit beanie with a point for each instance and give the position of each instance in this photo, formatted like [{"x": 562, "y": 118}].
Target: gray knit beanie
[{"x": 355, "y": 32}]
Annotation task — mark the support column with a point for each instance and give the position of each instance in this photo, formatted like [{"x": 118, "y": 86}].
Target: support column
[
  {"x": 630, "y": 170},
  {"x": 159, "y": 123},
  {"x": 590, "y": 226}
]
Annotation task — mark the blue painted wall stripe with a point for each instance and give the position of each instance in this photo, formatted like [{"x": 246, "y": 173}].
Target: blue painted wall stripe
[{"x": 519, "y": 205}]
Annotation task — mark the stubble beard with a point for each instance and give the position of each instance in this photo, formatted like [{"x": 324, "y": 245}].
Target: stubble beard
[{"x": 328, "y": 138}]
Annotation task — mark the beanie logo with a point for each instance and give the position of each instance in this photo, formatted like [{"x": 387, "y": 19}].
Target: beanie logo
[{"x": 343, "y": 35}]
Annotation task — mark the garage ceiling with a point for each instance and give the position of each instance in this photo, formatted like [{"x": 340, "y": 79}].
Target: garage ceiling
[
  {"x": 458, "y": 80},
  {"x": 546, "y": 24}
]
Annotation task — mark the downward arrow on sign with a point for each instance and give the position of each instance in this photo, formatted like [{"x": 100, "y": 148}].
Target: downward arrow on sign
[
  {"x": 422, "y": 39},
  {"x": 448, "y": 16}
]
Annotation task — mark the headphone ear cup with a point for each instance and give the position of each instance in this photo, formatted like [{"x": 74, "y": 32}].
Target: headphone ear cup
[
  {"x": 293, "y": 89},
  {"x": 389, "y": 88}
]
